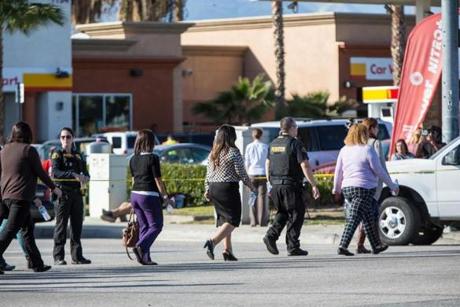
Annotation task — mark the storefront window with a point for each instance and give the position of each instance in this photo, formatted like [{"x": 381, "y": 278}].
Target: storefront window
[
  {"x": 99, "y": 113},
  {"x": 117, "y": 109}
]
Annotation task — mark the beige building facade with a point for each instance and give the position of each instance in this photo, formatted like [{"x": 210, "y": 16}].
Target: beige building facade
[
  {"x": 335, "y": 52},
  {"x": 165, "y": 69}
]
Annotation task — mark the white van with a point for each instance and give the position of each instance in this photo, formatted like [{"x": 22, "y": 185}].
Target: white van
[
  {"x": 123, "y": 142},
  {"x": 322, "y": 138}
]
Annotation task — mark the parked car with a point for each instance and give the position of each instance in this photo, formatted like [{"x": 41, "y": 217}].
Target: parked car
[
  {"x": 80, "y": 146},
  {"x": 184, "y": 153},
  {"x": 190, "y": 137},
  {"x": 123, "y": 142},
  {"x": 322, "y": 138},
  {"x": 428, "y": 198}
]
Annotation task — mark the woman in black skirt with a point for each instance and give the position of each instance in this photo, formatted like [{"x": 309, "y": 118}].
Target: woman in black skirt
[{"x": 225, "y": 170}]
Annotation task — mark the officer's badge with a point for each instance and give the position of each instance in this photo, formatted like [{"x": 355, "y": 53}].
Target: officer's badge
[{"x": 55, "y": 156}]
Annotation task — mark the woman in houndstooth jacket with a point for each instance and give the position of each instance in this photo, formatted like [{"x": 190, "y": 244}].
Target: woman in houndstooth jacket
[
  {"x": 225, "y": 170},
  {"x": 356, "y": 176}
]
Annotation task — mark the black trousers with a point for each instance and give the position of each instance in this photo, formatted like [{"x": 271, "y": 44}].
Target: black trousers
[
  {"x": 290, "y": 213},
  {"x": 69, "y": 207},
  {"x": 19, "y": 219}
]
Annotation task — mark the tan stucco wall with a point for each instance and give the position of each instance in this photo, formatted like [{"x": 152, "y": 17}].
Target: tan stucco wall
[
  {"x": 206, "y": 73},
  {"x": 305, "y": 66}
]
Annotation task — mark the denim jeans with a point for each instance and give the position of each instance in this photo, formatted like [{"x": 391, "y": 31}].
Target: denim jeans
[{"x": 20, "y": 239}]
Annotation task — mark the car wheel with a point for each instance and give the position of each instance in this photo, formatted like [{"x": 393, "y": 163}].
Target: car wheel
[
  {"x": 427, "y": 235},
  {"x": 398, "y": 221}
]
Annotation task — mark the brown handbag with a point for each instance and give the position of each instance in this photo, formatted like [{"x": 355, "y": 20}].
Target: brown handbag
[{"x": 131, "y": 233}]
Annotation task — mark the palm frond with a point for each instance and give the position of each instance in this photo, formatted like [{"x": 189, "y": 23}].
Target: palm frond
[{"x": 21, "y": 16}]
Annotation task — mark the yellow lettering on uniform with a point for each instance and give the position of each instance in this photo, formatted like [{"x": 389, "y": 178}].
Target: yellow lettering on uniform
[{"x": 278, "y": 149}]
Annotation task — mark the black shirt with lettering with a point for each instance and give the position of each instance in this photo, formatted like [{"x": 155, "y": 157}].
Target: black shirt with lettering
[
  {"x": 298, "y": 149},
  {"x": 144, "y": 169}
]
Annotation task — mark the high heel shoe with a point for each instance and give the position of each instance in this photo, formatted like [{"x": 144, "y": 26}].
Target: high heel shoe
[
  {"x": 210, "y": 249},
  {"x": 139, "y": 254},
  {"x": 228, "y": 256}
]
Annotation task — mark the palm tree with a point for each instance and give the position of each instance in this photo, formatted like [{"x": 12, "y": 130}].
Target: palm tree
[
  {"x": 151, "y": 10},
  {"x": 277, "y": 16},
  {"x": 20, "y": 15},
  {"x": 398, "y": 39},
  {"x": 88, "y": 11},
  {"x": 312, "y": 105},
  {"x": 178, "y": 10},
  {"x": 244, "y": 103}
]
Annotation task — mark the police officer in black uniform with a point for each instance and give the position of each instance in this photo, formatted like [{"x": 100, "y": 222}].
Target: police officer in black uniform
[
  {"x": 287, "y": 165},
  {"x": 70, "y": 171}
]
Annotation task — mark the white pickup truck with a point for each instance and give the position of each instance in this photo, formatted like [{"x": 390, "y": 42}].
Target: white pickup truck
[{"x": 429, "y": 198}]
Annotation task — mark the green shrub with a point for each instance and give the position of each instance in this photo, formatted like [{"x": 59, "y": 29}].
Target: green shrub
[
  {"x": 189, "y": 180},
  {"x": 325, "y": 184},
  {"x": 184, "y": 179}
]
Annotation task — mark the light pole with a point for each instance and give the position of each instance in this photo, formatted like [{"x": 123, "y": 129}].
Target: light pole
[{"x": 450, "y": 80}]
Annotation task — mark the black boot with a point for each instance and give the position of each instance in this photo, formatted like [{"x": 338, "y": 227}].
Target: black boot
[{"x": 271, "y": 245}]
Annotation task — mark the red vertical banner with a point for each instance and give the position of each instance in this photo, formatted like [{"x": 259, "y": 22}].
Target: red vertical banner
[{"x": 420, "y": 77}]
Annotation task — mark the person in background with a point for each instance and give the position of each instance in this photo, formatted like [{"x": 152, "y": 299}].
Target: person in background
[
  {"x": 254, "y": 159},
  {"x": 432, "y": 143},
  {"x": 169, "y": 140},
  {"x": 356, "y": 176},
  {"x": 372, "y": 126},
  {"x": 69, "y": 170},
  {"x": 145, "y": 194},
  {"x": 47, "y": 163},
  {"x": 415, "y": 142},
  {"x": 402, "y": 152},
  {"x": 20, "y": 166},
  {"x": 224, "y": 171},
  {"x": 286, "y": 166},
  {"x": 120, "y": 212}
]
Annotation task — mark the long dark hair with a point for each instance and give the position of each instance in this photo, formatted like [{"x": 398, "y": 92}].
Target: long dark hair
[
  {"x": 404, "y": 145},
  {"x": 145, "y": 141},
  {"x": 21, "y": 133},
  {"x": 225, "y": 139}
]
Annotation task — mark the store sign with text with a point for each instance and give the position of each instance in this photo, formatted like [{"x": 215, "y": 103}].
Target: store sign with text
[
  {"x": 372, "y": 68},
  {"x": 11, "y": 78}
]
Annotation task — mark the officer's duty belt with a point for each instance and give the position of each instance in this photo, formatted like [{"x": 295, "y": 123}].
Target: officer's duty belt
[{"x": 285, "y": 182}]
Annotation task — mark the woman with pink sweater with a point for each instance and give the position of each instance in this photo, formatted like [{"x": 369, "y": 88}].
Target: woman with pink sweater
[{"x": 356, "y": 176}]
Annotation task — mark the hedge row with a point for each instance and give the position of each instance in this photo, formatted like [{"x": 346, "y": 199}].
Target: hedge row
[
  {"x": 184, "y": 179},
  {"x": 189, "y": 180}
]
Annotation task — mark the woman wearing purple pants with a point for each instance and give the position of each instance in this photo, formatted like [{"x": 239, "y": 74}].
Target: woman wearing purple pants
[{"x": 145, "y": 195}]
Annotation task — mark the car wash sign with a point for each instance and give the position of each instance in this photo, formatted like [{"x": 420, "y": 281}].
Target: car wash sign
[{"x": 377, "y": 69}]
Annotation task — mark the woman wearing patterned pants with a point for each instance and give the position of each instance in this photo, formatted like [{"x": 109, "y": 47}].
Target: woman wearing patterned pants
[
  {"x": 360, "y": 210},
  {"x": 356, "y": 176}
]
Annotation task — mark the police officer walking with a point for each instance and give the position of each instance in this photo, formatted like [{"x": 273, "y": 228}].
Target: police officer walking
[
  {"x": 70, "y": 171},
  {"x": 287, "y": 164}
]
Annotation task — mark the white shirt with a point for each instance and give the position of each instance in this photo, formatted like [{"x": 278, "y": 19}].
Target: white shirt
[{"x": 255, "y": 157}]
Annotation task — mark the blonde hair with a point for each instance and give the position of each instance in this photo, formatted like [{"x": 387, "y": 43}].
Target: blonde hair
[
  {"x": 416, "y": 137},
  {"x": 357, "y": 135}
]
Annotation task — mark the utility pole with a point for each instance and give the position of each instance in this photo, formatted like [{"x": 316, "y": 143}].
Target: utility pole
[{"x": 450, "y": 78}]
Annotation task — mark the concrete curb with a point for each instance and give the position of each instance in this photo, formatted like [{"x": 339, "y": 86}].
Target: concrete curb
[{"x": 94, "y": 228}]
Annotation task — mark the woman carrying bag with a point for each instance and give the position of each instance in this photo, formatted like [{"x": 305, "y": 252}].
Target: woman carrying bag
[{"x": 147, "y": 191}]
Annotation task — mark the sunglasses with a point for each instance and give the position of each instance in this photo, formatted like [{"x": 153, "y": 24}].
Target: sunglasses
[{"x": 68, "y": 137}]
